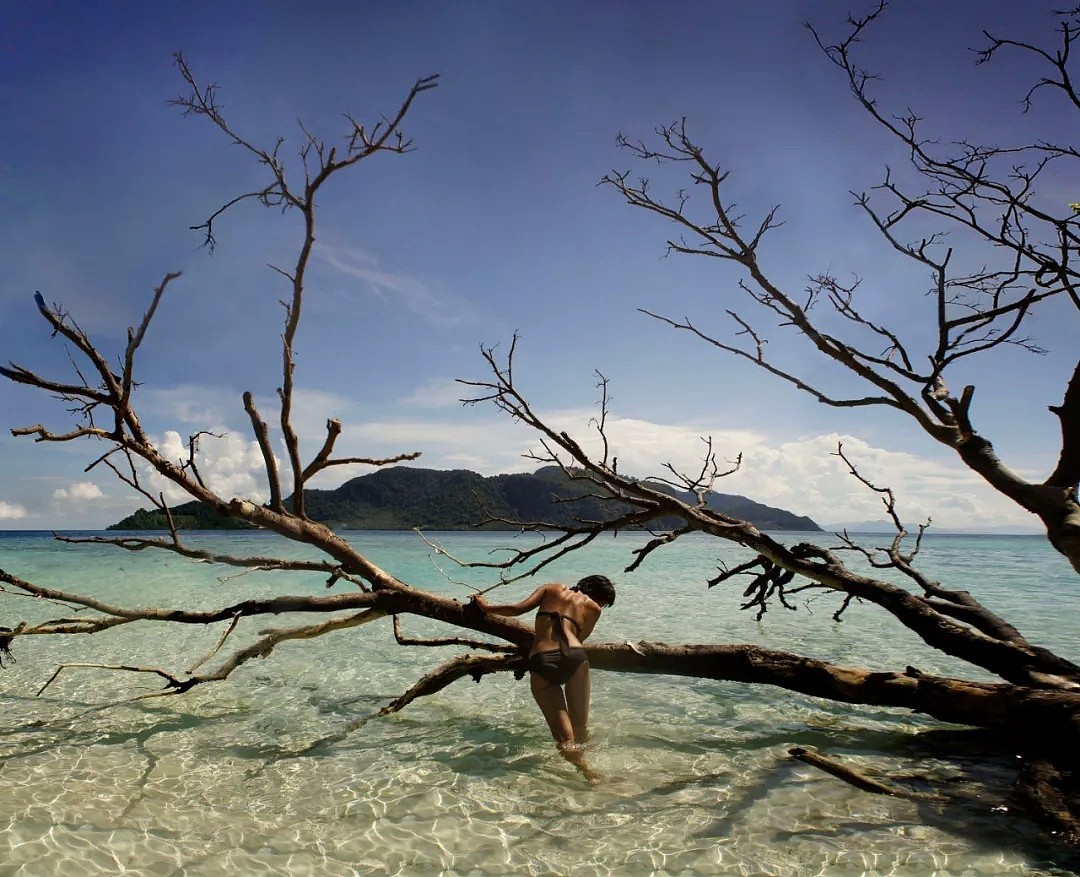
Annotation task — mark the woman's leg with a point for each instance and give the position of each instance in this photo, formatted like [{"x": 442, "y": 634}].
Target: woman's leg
[
  {"x": 552, "y": 704},
  {"x": 578, "y": 694}
]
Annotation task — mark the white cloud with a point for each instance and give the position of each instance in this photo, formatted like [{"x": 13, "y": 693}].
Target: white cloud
[
  {"x": 221, "y": 410},
  {"x": 311, "y": 409},
  {"x": 806, "y": 476},
  {"x": 801, "y": 474},
  {"x": 193, "y": 405},
  {"x": 437, "y": 393},
  {"x": 464, "y": 461},
  {"x": 79, "y": 491},
  {"x": 417, "y": 296},
  {"x": 496, "y": 445},
  {"x": 229, "y": 465},
  {"x": 10, "y": 511}
]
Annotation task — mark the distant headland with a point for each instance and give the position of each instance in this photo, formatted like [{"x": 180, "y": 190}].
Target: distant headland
[{"x": 404, "y": 497}]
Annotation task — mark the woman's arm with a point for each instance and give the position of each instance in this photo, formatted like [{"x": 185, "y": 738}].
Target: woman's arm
[{"x": 530, "y": 602}]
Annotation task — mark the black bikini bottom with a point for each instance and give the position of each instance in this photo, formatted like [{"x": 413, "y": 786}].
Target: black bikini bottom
[{"x": 557, "y": 665}]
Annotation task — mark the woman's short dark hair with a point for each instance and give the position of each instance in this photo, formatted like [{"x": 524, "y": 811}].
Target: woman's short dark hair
[{"x": 598, "y": 588}]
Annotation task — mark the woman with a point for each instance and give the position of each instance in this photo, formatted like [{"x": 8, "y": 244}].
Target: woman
[{"x": 559, "y": 669}]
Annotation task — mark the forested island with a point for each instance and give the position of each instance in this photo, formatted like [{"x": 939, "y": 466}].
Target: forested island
[{"x": 403, "y": 497}]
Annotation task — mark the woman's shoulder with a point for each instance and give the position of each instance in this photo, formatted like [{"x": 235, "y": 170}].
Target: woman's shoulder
[
  {"x": 582, "y": 603},
  {"x": 552, "y": 594},
  {"x": 564, "y": 600}
]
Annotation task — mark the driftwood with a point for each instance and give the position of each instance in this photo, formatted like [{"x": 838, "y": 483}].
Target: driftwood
[{"x": 852, "y": 777}]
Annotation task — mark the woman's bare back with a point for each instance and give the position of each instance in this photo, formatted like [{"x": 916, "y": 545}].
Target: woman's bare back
[{"x": 560, "y": 604}]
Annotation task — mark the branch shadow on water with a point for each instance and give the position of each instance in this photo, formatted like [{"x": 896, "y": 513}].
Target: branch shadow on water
[
  {"x": 44, "y": 735},
  {"x": 968, "y": 795}
]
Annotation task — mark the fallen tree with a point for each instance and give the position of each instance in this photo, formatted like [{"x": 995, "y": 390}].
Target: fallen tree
[
  {"x": 989, "y": 196},
  {"x": 1035, "y": 706}
]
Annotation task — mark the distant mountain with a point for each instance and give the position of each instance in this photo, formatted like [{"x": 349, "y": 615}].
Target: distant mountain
[
  {"x": 880, "y": 527},
  {"x": 863, "y": 527},
  {"x": 403, "y": 497}
]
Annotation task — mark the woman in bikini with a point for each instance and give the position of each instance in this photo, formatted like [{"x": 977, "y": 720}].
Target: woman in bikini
[{"x": 559, "y": 669}]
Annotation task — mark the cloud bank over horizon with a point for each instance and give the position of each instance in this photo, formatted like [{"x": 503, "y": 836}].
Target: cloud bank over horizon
[{"x": 800, "y": 473}]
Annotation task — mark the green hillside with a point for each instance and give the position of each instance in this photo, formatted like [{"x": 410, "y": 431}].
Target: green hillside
[
  {"x": 403, "y": 497},
  {"x": 189, "y": 516}
]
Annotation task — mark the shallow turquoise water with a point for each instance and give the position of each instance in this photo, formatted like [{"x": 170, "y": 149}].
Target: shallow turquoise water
[{"x": 465, "y": 782}]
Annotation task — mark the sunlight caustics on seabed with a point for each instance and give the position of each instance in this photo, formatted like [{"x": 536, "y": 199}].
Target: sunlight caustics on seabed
[{"x": 224, "y": 781}]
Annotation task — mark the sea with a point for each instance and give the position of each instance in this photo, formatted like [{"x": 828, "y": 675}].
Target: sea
[{"x": 283, "y": 769}]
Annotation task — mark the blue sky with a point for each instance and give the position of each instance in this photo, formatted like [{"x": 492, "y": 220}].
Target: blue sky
[{"x": 493, "y": 225}]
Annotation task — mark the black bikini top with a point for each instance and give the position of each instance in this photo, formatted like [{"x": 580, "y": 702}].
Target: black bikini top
[
  {"x": 560, "y": 632},
  {"x": 555, "y": 616}
]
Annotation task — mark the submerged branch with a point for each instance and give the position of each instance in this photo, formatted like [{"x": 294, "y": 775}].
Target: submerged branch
[
  {"x": 141, "y": 543},
  {"x": 476, "y": 666}
]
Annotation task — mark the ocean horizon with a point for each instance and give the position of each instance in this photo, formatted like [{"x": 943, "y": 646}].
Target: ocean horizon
[
  {"x": 883, "y": 530},
  {"x": 261, "y": 774}
]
